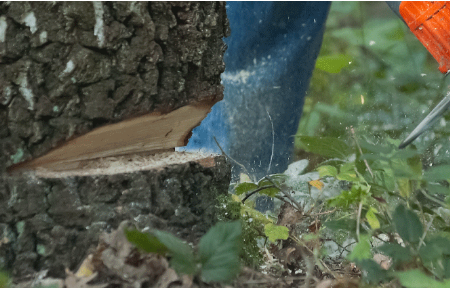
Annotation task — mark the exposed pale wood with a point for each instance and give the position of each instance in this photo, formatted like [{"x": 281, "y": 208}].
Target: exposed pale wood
[
  {"x": 152, "y": 133},
  {"x": 125, "y": 164}
]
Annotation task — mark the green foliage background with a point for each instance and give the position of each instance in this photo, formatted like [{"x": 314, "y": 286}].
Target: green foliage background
[
  {"x": 369, "y": 53},
  {"x": 373, "y": 83}
]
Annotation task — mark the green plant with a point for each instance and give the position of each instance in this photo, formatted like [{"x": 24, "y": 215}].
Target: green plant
[
  {"x": 383, "y": 193},
  {"x": 384, "y": 181},
  {"x": 374, "y": 81},
  {"x": 217, "y": 258},
  {"x": 230, "y": 208},
  {"x": 357, "y": 113},
  {"x": 4, "y": 280}
]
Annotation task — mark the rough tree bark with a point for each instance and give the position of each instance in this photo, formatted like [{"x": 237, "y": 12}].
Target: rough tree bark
[{"x": 67, "y": 68}]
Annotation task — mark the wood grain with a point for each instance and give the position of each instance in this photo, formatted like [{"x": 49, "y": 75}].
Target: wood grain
[{"x": 154, "y": 132}]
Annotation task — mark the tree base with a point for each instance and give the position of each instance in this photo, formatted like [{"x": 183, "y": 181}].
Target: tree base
[{"x": 52, "y": 219}]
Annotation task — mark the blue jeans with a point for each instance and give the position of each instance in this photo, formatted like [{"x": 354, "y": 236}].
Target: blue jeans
[{"x": 269, "y": 61}]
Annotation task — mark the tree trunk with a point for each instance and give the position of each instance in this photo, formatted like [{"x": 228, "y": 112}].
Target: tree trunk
[
  {"x": 50, "y": 219},
  {"x": 67, "y": 68},
  {"x": 73, "y": 71}
]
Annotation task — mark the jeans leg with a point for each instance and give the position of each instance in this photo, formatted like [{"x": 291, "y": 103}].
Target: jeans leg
[{"x": 269, "y": 61}]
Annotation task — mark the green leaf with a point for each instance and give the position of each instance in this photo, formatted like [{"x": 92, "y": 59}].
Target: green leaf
[
  {"x": 361, "y": 250},
  {"x": 348, "y": 176},
  {"x": 398, "y": 253},
  {"x": 446, "y": 267},
  {"x": 376, "y": 149},
  {"x": 404, "y": 187},
  {"x": 309, "y": 125},
  {"x": 351, "y": 35},
  {"x": 342, "y": 224},
  {"x": 384, "y": 179},
  {"x": 327, "y": 170},
  {"x": 276, "y": 178},
  {"x": 396, "y": 34},
  {"x": 417, "y": 279},
  {"x": 219, "y": 252},
  {"x": 415, "y": 165},
  {"x": 333, "y": 63},
  {"x": 373, "y": 272},
  {"x": 374, "y": 157},
  {"x": 271, "y": 192},
  {"x": 434, "y": 248},
  {"x": 437, "y": 189},
  {"x": 406, "y": 154},
  {"x": 407, "y": 168},
  {"x": 182, "y": 255},
  {"x": 244, "y": 187},
  {"x": 332, "y": 111},
  {"x": 4, "y": 280},
  {"x": 372, "y": 218},
  {"x": 324, "y": 146},
  {"x": 408, "y": 224},
  {"x": 442, "y": 242},
  {"x": 437, "y": 173},
  {"x": 430, "y": 253},
  {"x": 347, "y": 198},
  {"x": 160, "y": 242},
  {"x": 296, "y": 168},
  {"x": 275, "y": 232},
  {"x": 244, "y": 178},
  {"x": 346, "y": 167},
  {"x": 146, "y": 242},
  {"x": 253, "y": 213}
]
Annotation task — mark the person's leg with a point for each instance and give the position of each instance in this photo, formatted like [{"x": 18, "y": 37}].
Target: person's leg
[{"x": 270, "y": 58}]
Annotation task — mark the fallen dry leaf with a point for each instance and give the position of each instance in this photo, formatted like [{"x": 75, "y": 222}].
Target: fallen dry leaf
[
  {"x": 384, "y": 261},
  {"x": 72, "y": 281},
  {"x": 87, "y": 268},
  {"x": 167, "y": 278},
  {"x": 343, "y": 282},
  {"x": 314, "y": 226},
  {"x": 328, "y": 283},
  {"x": 289, "y": 215},
  {"x": 317, "y": 184},
  {"x": 125, "y": 261}
]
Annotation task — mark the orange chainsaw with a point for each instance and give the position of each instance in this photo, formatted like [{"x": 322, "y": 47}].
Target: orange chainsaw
[{"x": 430, "y": 22}]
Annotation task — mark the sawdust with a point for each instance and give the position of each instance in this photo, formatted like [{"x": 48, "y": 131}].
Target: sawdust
[{"x": 125, "y": 164}]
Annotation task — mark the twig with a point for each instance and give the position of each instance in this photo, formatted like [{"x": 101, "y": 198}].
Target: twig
[
  {"x": 323, "y": 213},
  {"x": 300, "y": 242},
  {"x": 262, "y": 281},
  {"x": 433, "y": 199},
  {"x": 229, "y": 157},
  {"x": 280, "y": 198},
  {"x": 199, "y": 281},
  {"x": 299, "y": 207},
  {"x": 273, "y": 141},
  {"x": 360, "y": 150},
  {"x": 315, "y": 200},
  {"x": 378, "y": 237},
  {"x": 344, "y": 248},
  {"x": 339, "y": 245},
  {"x": 309, "y": 269},
  {"x": 256, "y": 191},
  {"x": 425, "y": 232},
  {"x": 358, "y": 220}
]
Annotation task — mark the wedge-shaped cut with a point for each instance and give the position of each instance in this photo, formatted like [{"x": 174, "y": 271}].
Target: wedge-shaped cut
[{"x": 151, "y": 133}]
